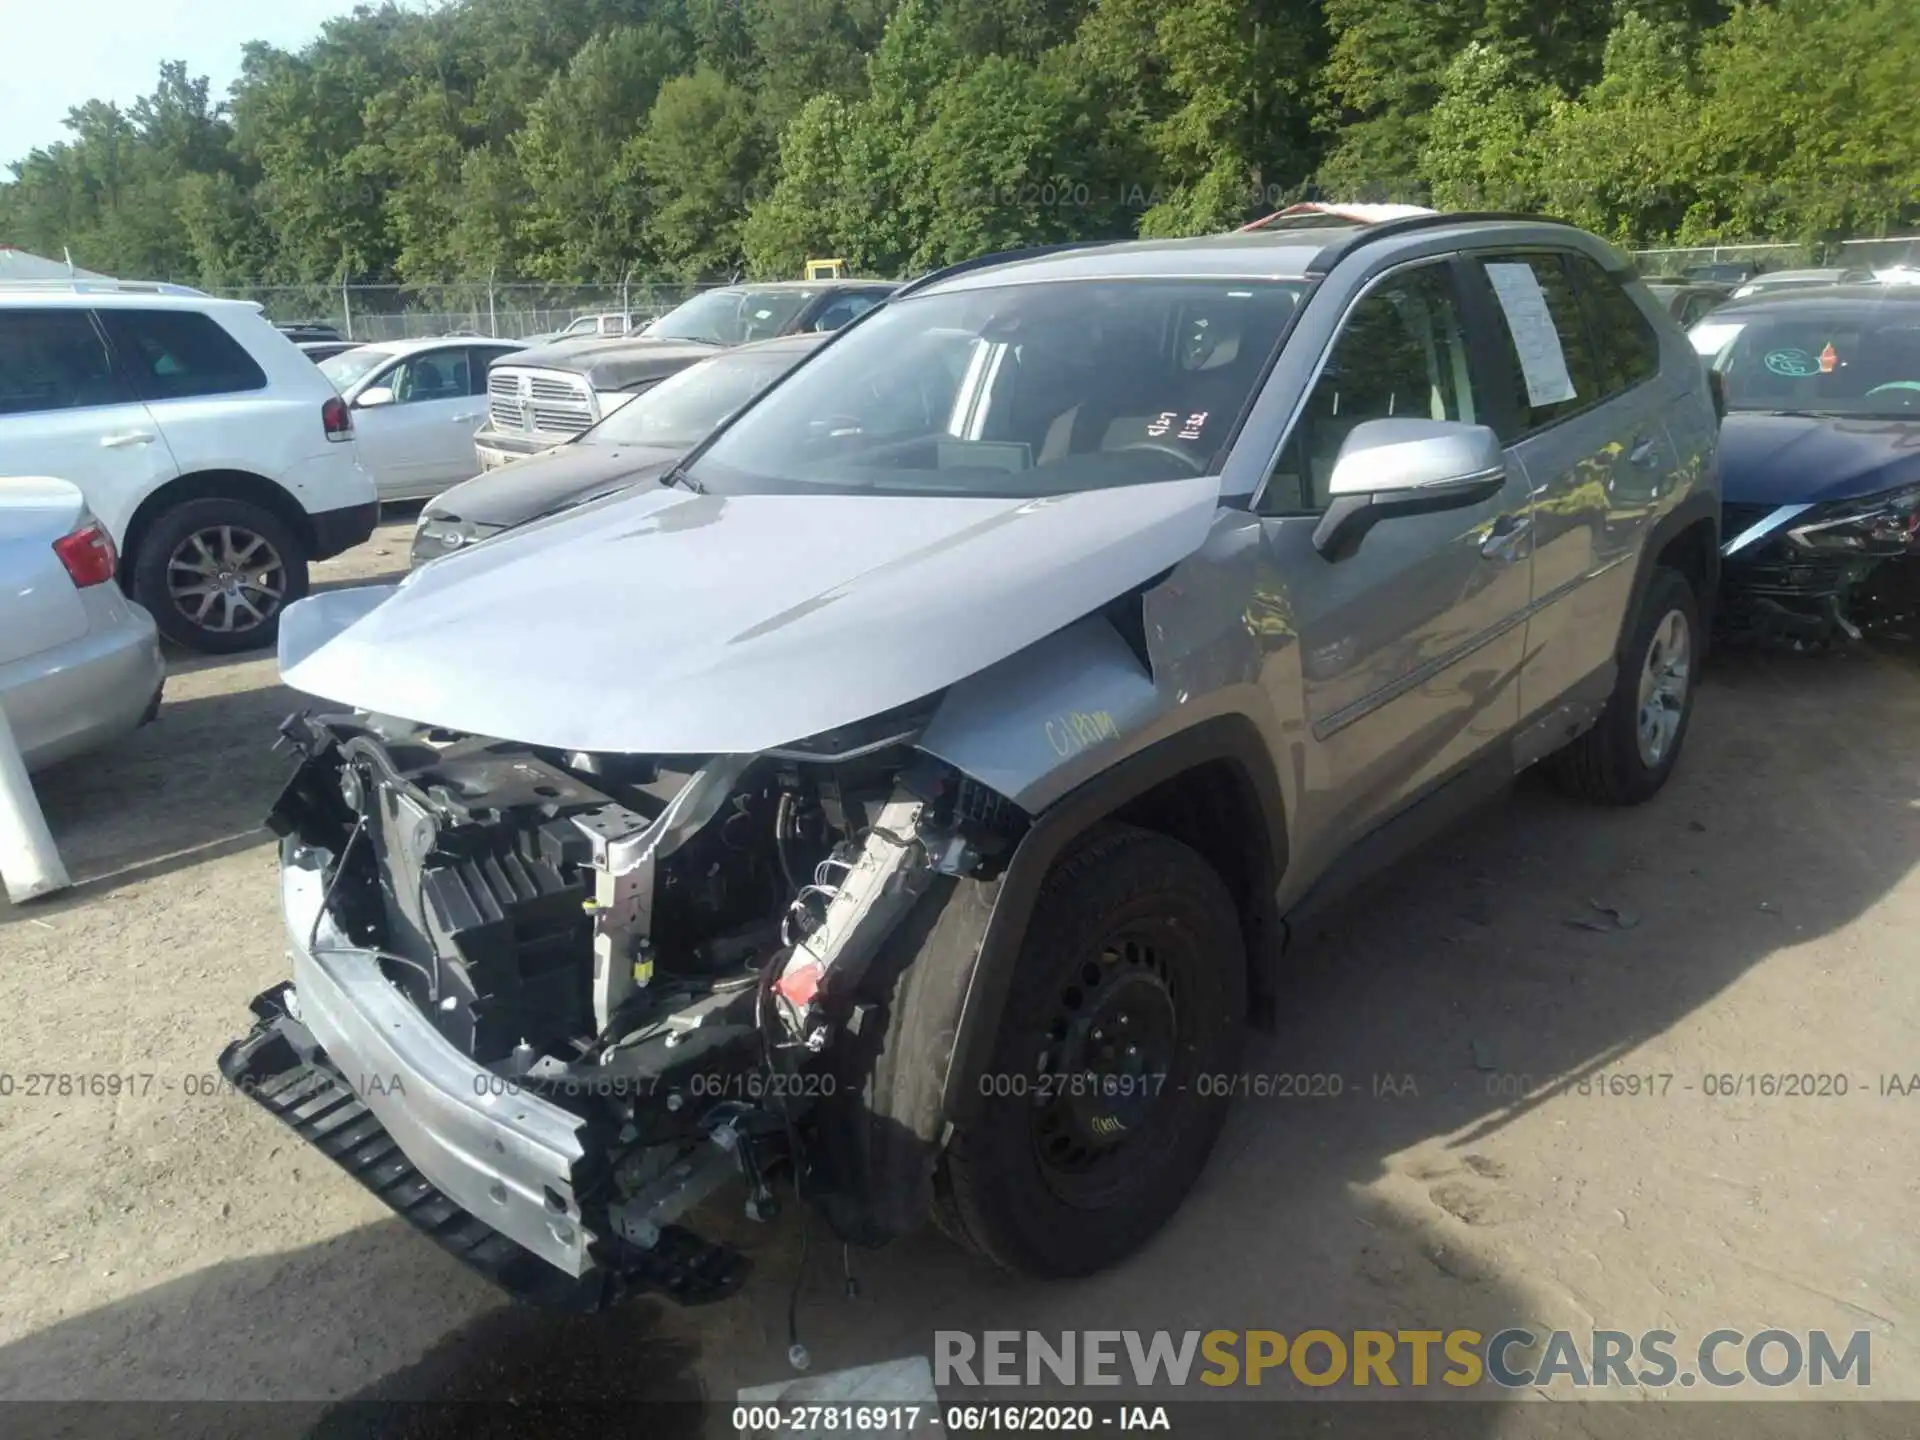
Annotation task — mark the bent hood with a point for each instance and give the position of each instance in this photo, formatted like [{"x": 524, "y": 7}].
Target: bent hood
[
  {"x": 1803, "y": 460},
  {"x": 672, "y": 623},
  {"x": 535, "y": 485}
]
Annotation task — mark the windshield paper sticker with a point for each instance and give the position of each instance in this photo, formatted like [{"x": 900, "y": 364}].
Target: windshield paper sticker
[
  {"x": 1542, "y": 362},
  {"x": 1793, "y": 362}
]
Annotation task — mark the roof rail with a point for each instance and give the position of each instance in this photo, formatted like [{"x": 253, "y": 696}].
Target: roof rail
[
  {"x": 1333, "y": 254},
  {"x": 81, "y": 284},
  {"x": 998, "y": 257}
]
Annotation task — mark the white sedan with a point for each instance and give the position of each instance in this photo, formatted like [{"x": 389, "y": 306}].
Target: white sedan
[
  {"x": 416, "y": 404},
  {"x": 80, "y": 663}
]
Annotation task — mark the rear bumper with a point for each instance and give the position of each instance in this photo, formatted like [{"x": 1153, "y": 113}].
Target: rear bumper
[
  {"x": 86, "y": 694},
  {"x": 337, "y": 530}
]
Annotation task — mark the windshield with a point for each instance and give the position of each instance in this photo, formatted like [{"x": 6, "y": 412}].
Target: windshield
[
  {"x": 731, "y": 317},
  {"x": 1019, "y": 390},
  {"x": 1818, "y": 361},
  {"x": 350, "y": 366},
  {"x": 684, "y": 409}
]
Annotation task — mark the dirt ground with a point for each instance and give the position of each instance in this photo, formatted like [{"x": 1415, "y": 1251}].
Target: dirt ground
[{"x": 178, "y": 1244}]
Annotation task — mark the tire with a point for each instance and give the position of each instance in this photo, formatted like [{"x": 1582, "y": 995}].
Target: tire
[
  {"x": 1132, "y": 931},
  {"x": 240, "y": 609},
  {"x": 1609, "y": 765}
]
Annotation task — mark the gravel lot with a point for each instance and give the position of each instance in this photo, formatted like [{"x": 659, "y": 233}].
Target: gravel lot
[{"x": 181, "y": 1245}]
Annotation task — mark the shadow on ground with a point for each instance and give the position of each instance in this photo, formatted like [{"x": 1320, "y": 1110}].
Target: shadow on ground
[
  {"x": 192, "y": 785},
  {"x": 1458, "y": 968}
]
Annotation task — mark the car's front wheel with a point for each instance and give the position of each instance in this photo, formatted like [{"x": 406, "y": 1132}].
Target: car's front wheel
[
  {"x": 215, "y": 574},
  {"x": 1114, "y": 1064},
  {"x": 1631, "y": 750}
]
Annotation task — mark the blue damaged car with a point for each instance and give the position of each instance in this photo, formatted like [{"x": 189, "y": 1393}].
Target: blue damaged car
[{"x": 1819, "y": 458}]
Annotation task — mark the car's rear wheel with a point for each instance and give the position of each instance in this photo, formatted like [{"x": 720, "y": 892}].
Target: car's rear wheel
[
  {"x": 1631, "y": 750},
  {"x": 216, "y": 574},
  {"x": 1112, "y": 1070}
]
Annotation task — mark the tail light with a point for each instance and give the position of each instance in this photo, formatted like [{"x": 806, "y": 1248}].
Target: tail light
[
  {"x": 88, "y": 554},
  {"x": 336, "y": 419}
]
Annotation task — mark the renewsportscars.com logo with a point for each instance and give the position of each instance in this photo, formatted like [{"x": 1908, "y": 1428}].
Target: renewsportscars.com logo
[{"x": 1513, "y": 1358}]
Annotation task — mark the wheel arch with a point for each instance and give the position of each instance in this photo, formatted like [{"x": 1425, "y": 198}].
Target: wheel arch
[
  {"x": 1212, "y": 787},
  {"x": 1687, "y": 539},
  {"x": 945, "y": 972},
  {"x": 240, "y": 485}
]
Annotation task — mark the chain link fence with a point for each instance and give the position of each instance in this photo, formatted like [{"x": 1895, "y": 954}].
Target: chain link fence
[
  {"x": 1893, "y": 252},
  {"x": 513, "y": 310}
]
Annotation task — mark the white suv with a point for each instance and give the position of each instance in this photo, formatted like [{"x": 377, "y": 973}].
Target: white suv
[{"x": 217, "y": 456}]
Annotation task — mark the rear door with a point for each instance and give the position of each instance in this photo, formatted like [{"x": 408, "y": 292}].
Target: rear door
[
  {"x": 1409, "y": 647},
  {"x": 1575, "y": 397},
  {"x": 68, "y": 411}
]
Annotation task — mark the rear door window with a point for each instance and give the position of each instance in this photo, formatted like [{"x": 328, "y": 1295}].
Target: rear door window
[
  {"x": 1551, "y": 370},
  {"x": 1628, "y": 347},
  {"x": 180, "y": 354},
  {"x": 55, "y": 360}
]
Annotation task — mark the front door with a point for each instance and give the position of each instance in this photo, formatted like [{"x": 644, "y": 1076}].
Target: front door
[
  {"x": 421, "y": 441},
  {"x": 1410, "y": 647}
]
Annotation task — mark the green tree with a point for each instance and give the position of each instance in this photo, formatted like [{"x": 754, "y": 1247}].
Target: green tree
[
  {"x": 580, "y": 157},
  {"x": 702, "y": 154}
]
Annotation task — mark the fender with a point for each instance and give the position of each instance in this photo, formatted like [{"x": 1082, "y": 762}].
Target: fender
[
  {"x": 931, "y": 1003},
  {"x": 1698, "y": 505}
]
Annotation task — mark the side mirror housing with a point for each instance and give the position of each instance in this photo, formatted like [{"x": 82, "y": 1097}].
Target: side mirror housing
[
  {"x": 1390, "y": 468},
  {"x": 372, "y": 396}
]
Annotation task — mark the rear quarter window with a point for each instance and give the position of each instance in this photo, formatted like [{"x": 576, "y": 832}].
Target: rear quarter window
[
  {"x": 1628, "y": 345},
  {"x": 180, "y": 354}
]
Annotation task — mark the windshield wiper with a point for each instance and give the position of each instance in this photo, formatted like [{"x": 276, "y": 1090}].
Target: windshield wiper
[{"x": 678, "y": 476}]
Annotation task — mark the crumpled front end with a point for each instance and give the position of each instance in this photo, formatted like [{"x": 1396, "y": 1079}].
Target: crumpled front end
[
  {"x": 544, "y": 1003},
  {"x": 1814, "y": 574}
]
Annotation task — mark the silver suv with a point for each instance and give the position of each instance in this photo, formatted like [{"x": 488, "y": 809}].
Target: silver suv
[{"x": 916, "y": 787}]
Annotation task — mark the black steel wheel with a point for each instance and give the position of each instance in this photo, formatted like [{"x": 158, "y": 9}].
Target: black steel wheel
[{"x": 1107, "y": 1086}]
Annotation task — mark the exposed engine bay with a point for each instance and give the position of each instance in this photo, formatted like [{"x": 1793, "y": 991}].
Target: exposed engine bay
[{"x": 669, "y": 950}]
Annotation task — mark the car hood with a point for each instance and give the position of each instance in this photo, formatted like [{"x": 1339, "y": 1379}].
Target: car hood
[
  {"x": 666, "y": 622},
  {"x": 535, "y": 485},
  {"x": 614, "y": 362},
  {"x": 1802, "y": 460}
]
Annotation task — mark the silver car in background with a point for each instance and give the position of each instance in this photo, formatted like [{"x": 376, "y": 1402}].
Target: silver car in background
[{"x": 80, "y": 663}]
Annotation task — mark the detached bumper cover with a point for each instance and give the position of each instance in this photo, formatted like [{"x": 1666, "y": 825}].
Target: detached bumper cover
[
  {"x": 487, "y": 1171},
  {"x": 279, "y": 1066}
]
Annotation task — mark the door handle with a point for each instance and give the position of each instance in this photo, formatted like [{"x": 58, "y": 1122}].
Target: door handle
[
  {"x": 126, "y": 438},
  {"x": 1505, "y": 538},
  {"x": 1644, "y": 452},
  {"x": 466, "y": 419}
]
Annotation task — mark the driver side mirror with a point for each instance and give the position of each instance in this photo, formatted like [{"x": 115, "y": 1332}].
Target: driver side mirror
[
  {"x": 1390, "y": 468},
  {"x": 372, "y": 396}
]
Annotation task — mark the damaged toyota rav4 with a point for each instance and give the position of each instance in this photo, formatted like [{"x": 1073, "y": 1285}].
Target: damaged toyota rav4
[{"x": 901, "y": 806}]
